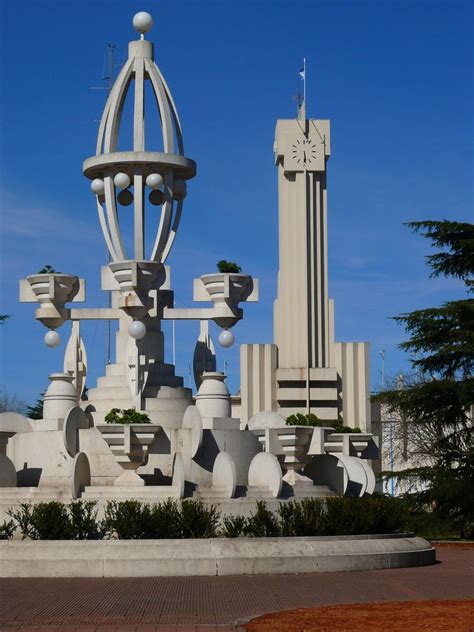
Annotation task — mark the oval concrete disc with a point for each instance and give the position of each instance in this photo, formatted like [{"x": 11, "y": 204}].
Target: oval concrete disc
[
  {"x": 265, "y": 471},
  {"x": 7, "y": 472},
  {"x": 224, "y": 474},
  {"x": 266, "y": 419},
  {"x": 80, "y": 474},
  {"x": 192, "y": 420},
  {"x": 178, "y": 474}
]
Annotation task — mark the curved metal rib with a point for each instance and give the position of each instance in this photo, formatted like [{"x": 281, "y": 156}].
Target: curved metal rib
[
  {"x": 105, "y": 230},
  {"x": 174, "y": 230},
  {"x": 163, "y": 107},
  {"x": 165, "y": 219},
  {"x": 179, "y": 131},
  {"x": 116, "y": 107},
  {"x": 112, "y": 218}
]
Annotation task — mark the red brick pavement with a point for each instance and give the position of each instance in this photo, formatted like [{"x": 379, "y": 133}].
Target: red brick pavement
[{"x": 217, "y": 604}]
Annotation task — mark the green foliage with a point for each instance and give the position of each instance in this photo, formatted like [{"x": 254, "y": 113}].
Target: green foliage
[
  {"x": 458, "y": 238},
  {"x": 7, "y": 529},
  {"x": 263, "y": 523},
  {"x": 303, "y": 518},
  {"x": 3, "y": 318},
  {"x": 198, "y": 520},
  {"x": 228, "y": 267},
  {"x": 48, "y": 270},
  {"x": 165, "y": 520},
  {"x": 127, "y": 519},
  {"x": 126, "y": 416},
  {"x": 232, "y": 526},
  {"x": 133, "y": 520},
  {"x": 435, "y": 406},
  {"x": 36, "y": 411},
  {"x": 309, "y": 419},
  {"x": 55, "y": 521},
  {"x": 84, "y": 522}
]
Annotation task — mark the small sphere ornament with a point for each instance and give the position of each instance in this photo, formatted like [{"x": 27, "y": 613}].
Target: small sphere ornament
[
  {"x": 122, "y": 181},
  {"x": 156, "y": 198},
  {"x": 142, "y": 22},
  {"x": 179, "y": 189},
  {"x": 125, "y": 197},
  {"x": 154, "y": 181},
  {"x": 52, "y": 339},
  {"x": 226, "y": 338},
  {"x": 97, "y": 186},
  {"x": 137, "y": 329}
]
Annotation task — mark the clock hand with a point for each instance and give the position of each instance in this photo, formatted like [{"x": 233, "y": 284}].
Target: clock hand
[{"x": 304, "y": 156}]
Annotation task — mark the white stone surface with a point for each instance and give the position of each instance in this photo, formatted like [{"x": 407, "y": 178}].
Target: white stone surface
[
  {"x": 265, "y": 419},
  {"x": 59, "y": 398},
  {"x": 265, "y": 471},
  {"x": 218, "y": 556},
  {"x": 178, "y": 474},
  {"x": 80, "y": 474},
  {"x": 74, "y": 420},
  {"x": 224, "y": 474},
  {"x": 213, "y": 398},
  {"x": 7, "y": 472}
]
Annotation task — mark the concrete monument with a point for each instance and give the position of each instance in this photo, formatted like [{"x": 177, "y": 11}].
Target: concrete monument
[{"x": 180, "y": 445}]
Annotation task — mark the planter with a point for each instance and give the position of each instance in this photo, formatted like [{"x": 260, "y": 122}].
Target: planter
[
  {"x": 135, "y": 280},
  {"x": 228, "y": 287},
  {"x": 129, "y": 445},
  {"x": 290, "y": 444},
  {"x": 53, "y": 291}
]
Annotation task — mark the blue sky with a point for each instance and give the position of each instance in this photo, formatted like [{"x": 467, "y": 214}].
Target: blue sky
[{"x": 394, "y": 77}]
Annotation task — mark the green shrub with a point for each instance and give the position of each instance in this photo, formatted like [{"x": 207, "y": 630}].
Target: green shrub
[
  {"x": 263, "y": 523},
  {"x": 126, "y": 416},
  {"x": 127, "y": 519},
  {"x": 232, "y": 526},
  {"x": 302, "y": 518},
  {"x": 43, "y": 521},
  {"x": 7, "y": 529},
  {"x": 165, "y": 520},
  {"x": 300, "y": 419},
  {"x": 228, "y": 267},
  {"x": 84, "y": 522},
  {"x": 198, "y": 520}
]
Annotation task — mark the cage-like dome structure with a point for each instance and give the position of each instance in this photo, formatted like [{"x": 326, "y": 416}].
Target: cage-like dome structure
[{"x": 138, "y": 175}]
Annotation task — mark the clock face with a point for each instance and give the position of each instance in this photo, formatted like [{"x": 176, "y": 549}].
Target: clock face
[{"x": 304, "y": 152}]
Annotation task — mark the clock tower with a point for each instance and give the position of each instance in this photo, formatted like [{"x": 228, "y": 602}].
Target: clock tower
[
  {"x": 301, "y": 313},
  {"x": 305, "y": 370}
]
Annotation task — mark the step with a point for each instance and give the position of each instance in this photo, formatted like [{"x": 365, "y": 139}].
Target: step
[
  {"x": 111, "y": 381},
  {"x": 148, "y": 493},
  {"x": 115, "y": 369}
]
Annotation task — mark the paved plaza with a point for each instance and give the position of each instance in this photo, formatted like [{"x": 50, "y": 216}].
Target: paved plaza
[{"x": 217, "y": 603}]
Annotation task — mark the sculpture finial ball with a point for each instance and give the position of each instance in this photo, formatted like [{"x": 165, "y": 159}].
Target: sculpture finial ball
[{"x": 142, "y": 22}]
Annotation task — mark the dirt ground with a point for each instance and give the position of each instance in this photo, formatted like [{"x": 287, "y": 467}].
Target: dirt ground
[{"x": 407, "y": 616}]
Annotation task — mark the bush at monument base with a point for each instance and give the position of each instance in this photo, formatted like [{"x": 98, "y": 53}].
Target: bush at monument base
[{"x": 132, "y": 519}]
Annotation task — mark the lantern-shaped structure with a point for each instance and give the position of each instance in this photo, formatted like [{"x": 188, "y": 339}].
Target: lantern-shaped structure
[{"x": 151, "y": 173}]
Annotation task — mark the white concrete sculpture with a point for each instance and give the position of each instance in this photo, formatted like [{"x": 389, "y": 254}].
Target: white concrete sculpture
[
  {"x": 192, "y": 445},
  {"x": 265, "y": 473},
  {"x": 129, "y": 444}
]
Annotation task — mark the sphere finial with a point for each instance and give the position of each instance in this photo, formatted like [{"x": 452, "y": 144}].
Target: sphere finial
[{"x": 142, "y": 22}]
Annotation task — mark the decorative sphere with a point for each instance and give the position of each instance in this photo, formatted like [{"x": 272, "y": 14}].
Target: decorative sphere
[
  {"x": 122, "y": 181},
  {"x": 137, "y": 329},
  {"x": 52, "y": 339},
  {"x": 179, "y": 189},
  {"x": 97, "y": 186},
  {"x": 125, "y": 197},
  {"x": 156, "y": 198},
  {"x": 142, "y": 22},
  {"x": 154, "y": 181},
  {"x": 226, "y": 338}
]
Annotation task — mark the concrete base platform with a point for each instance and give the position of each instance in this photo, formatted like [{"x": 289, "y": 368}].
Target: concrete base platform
[{"x": 218, "y": 556}]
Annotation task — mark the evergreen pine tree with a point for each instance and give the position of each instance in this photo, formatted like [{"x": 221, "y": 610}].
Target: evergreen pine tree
[{"x": 438, "y": 405}]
